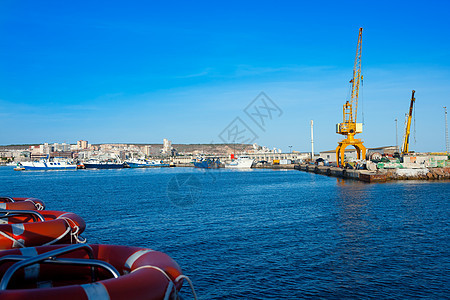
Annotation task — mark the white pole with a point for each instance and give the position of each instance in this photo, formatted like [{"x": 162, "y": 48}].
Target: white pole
[
  {"x": 446, "y": 131},
  {"x": 396, "y": 135},
  {"x": 312, "y": 140}
]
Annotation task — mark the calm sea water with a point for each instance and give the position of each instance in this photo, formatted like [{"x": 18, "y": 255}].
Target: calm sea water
[{"x": 264, "y": 234}]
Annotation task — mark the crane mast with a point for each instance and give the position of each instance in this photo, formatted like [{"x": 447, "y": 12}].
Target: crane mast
[
  {"x": 405, "y": 145},
  {"x": 351, "y": 109},
  {"x": 349, "y": 127}
]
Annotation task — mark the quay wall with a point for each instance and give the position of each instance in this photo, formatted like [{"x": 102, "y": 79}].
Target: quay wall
[
  {"x": 379, "y": 175},
  {"x": 268, "y": 166},
  {"x": 382, "y": 175}
]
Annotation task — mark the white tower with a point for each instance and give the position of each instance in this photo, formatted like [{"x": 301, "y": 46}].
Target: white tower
[{"x": 312, "y": 140}]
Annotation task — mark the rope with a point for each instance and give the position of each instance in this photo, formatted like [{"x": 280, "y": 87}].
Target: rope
[
  {"x": 75, "y": 229},
  {"x": 37, "y": 205},
  {"x": 12, "y": 239},
  {"x": 171, "y": 285},
  {"x": 80, "y": 239},
  {"x": 189, "y": 282},
  {"x": 73, "y": 234}
]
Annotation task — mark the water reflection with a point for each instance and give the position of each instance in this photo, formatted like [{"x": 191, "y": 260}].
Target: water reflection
[{"x": 353, "y": 230}]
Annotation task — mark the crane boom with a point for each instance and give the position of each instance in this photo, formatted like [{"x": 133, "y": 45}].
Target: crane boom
[
  {"x": 349, "y": 127},
  {"x": 405, "y": 145},
  {"x": 356, "y": 80}
]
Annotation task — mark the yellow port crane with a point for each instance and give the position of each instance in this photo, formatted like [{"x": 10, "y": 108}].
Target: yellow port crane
[
  {"x": 349, "y": 127},
  {"x": 405, "y": 145}
]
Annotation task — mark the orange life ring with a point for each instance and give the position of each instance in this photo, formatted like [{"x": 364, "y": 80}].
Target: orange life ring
[
  {"x": 21, "y": 203},
  {"x": 142, "y": 274},
  {"x": 26, "y": 230}
]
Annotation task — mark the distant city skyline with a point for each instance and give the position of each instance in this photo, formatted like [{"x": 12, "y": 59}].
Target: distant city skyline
[{"x": 142, "y": 72}]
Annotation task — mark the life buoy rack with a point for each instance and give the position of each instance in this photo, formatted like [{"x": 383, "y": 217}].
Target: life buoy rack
[
  {"x": 85, "y": 271},
  {"x": 28, "y": 228},
  {"x": 21, "y": 203}
]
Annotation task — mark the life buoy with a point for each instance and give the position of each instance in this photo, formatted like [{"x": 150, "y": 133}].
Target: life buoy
[
  {"x": 142, "y": 274},
  {"x": 27, "y": 230},
  {"x": 21, "y": 203}
]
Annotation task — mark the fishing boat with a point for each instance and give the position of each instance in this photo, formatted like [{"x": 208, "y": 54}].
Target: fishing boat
[
  {"x": 108, "y": 164},
  {"x": 144, "y": 163},
  {"x": 207, "y": 163},
  {"x": 155, "y": 163},
  {"x": 45, "y": 164},
  {"x": 242, "y": 162}
]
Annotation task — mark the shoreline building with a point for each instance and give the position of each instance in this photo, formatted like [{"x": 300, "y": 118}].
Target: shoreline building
[{"x": 82, "y": 144}]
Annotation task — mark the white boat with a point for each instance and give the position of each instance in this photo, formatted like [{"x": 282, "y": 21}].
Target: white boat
[
  {"x": 46, "y": 164},
  {"x": 242, "y": 162},
  {"x": 158, "y": 163},
  {"x": 144, "y": 163}
]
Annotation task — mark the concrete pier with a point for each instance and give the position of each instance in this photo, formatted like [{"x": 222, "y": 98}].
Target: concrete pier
[
  {"x": 276, "y": 167},
  {"x": 380, "y": 175},
  {"x": 362, "y": 175}
]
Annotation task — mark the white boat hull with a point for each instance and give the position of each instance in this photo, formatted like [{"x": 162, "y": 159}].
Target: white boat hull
[
  {"x": 240, "y": 164},
  {"x": 42, "y": 166}
]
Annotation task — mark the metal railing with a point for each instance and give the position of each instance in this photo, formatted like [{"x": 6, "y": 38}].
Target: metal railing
[
  {"x": 50, "y": 258},
  {"x": 7, "y": 199},
  {"x": 6, "y": 213}
]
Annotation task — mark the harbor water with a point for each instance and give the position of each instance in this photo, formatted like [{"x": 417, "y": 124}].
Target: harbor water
[{"x": 264, "y": 234}]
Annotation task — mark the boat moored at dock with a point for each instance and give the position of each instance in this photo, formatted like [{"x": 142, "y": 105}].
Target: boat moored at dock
[
  {"x": 45, "y": 164},
  {"x": 96, "y": 164},
  {"x": 207, "y": 163},
  {"x": 242, "y": 162},
  {"x": 144, "y": 163}
]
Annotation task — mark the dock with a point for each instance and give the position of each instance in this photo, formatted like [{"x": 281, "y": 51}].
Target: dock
[
  {"x": 379, "y": 175},
  {"x": 382, "y": 175},
  {"x": 361, "y": 175}
]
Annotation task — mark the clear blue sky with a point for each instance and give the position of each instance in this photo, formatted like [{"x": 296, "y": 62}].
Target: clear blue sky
[{"x": 138, "y": 72}]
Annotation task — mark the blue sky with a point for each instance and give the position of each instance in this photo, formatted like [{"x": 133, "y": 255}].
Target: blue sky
[{"x": 138, "y": 72}]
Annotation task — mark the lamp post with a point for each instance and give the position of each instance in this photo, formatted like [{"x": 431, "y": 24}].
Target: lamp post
[
  {"x": 396, "y": 135},
  {"x": 290, "y": 149},
  {"x": 446, "y": 130}
]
